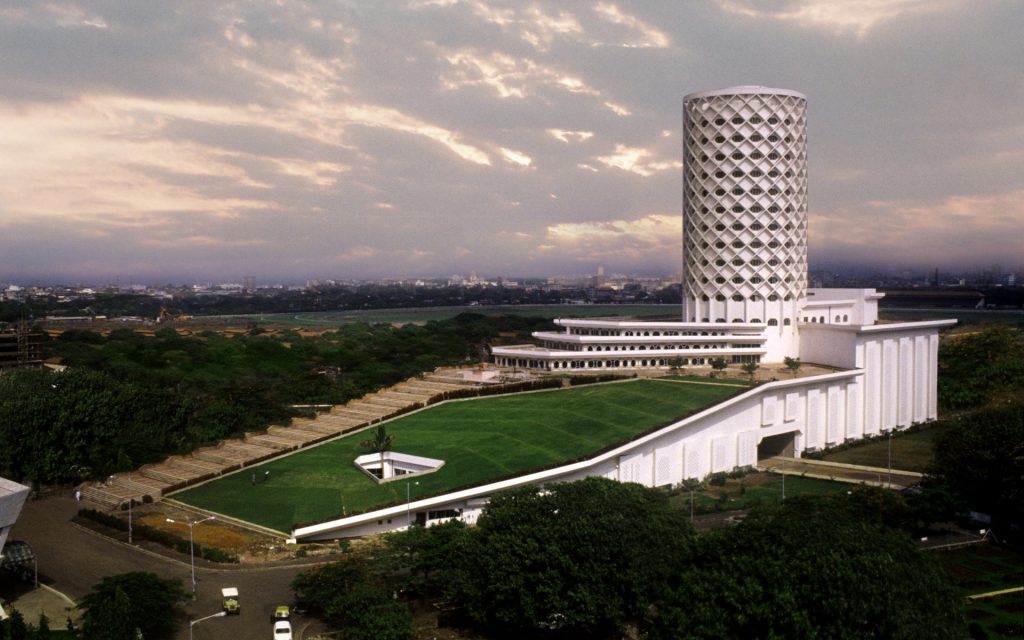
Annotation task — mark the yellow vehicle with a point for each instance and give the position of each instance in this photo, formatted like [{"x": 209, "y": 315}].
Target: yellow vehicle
[{"x": 231, "y": 602}]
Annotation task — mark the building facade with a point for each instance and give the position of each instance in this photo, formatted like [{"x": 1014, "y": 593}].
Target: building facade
[{"x": 745, "y": 299}]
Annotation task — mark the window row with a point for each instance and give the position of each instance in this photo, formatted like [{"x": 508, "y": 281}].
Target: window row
[
  {"x": 755, "y": 262},
  {"x": 739, "y": 226},
  {"x": 754, "y": 119},
  {"x": 754, "y": 137},
  {"x": 753, "y": 155},
  {"x": 753, "y": 244},
  {"x": 772, "y": 297}
]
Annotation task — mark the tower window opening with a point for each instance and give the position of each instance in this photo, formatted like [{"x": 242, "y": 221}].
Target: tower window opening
[
  {"x": 772, "y": 322},
  {"x": 786, "y": 322}
]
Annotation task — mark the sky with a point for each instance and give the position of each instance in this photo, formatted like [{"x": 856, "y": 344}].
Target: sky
[{"x": 192, "y": 141}]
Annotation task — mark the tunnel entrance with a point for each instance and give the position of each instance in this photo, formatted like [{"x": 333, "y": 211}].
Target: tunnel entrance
[{"x": 782, "y": 445}]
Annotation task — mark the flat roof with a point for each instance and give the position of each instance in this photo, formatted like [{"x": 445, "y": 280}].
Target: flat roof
[{"x": 745, "y": 89}]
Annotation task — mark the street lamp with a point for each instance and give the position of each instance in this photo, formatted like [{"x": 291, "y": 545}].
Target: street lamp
[
  {"x": 191, "y": 549},
  {"x": 408, "y": 513},
  {"x": 219, "y": 614},
  {"x": 890, "y": 460}
]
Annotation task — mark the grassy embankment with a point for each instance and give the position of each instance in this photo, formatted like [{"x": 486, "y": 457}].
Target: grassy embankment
[{"x": 479, "y": 440}]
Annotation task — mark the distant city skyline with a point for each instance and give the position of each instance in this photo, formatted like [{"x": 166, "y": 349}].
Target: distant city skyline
[{"x": 189, "y": 141}]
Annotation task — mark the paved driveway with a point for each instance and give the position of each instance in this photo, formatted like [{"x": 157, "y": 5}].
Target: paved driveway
[{"x": 72, "y": 560}]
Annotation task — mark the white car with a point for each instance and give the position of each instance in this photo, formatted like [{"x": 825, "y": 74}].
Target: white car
[{"x": 282, "y": 630}]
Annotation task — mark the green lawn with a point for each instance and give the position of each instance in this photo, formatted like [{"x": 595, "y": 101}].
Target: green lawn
[
  {"x": 737, "y": 382},
  {"x": 982, "y": 568},
  {"x": 315, "y": 319},
  {"x": 479, "y": 440},
  {"x": 910, "y": 451}
]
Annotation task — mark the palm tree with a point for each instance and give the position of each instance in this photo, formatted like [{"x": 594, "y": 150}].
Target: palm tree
[{"x": 379, "y": 443}]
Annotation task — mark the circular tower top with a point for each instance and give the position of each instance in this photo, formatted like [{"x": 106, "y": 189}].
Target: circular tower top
[{"x": 741, "y": 90}]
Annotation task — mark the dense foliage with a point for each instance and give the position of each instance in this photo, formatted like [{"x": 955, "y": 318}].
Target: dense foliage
[
  {"x": 128, "y": 398},
  {"x": 587, "y": 557},
  {"x": 14, "y": 627},
  {"x": 812, "y": 568},
  {"x": 979, "y": 367},
  {"x": 121, "y": 604},
  {"x": 352, "y": 597},
  {"x": 601, "y": 559},
  {"x": 979, "y": 464}
]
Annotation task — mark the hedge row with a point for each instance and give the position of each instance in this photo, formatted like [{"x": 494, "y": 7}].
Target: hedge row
[{"x": 158, "y": 536}]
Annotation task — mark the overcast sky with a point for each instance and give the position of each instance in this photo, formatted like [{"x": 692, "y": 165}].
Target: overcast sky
[{"x": 180, "y": 141}]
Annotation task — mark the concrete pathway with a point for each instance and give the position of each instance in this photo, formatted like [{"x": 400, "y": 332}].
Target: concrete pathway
[{"x": 854, "y": 474}]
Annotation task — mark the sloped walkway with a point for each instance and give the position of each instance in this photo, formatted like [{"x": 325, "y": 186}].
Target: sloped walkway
[{"x": 152, "y": 481}]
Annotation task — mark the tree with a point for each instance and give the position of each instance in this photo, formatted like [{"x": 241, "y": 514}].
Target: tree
[
  {"x": 979, "y": 366},
  {"x": 719, "y": 365},
  {"x": 980, "y": 461},
  {"x": 587, "y": 557},
  {"x": 793, "y": 364},
  {"x": 348, "y": 594},
  {"x": 810, "y": 568},
  {"x": 750, "y": 368},
  {"x": 380, "y": 443},
  {"x": 677, "y": 364},
  {"x": 424, "y": 552},
  {"x": 129, "y": 601}
]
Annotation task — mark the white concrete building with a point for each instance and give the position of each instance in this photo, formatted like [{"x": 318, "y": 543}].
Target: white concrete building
[
  {"x": 745, "y": 299},
  {"x": 12, "y": 499}
]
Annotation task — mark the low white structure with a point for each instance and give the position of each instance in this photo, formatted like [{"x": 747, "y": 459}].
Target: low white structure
[
  {"x": 745, "y": 299},
  {"x": 12, "y": 499},
  {"x": 392, "y": 465}
]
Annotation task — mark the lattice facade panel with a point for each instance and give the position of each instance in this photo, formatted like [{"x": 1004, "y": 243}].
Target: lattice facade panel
[{"x": 744, "y": 206}]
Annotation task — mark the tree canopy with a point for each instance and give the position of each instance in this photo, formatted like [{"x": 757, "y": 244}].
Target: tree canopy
[
  {"x": 978, "y": 367},
  {"x": 586, "y": 556},
  {"x": 352, "y": 596},
  {"x": 812, "y": 568},
  {"x": 122, "y": 603},
  {"x": 980, "y": 461}
]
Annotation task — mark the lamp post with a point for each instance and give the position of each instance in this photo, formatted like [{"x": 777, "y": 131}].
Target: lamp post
[
  {"x": 408, "y": 512},
  {"x": 130, "y": 500},
  {"x": 691, "y": 503},
  {"x": 783, "y": 481},
  {"x": 219, "y": 614},
  {"x": 890, "y": 460},
  {"x": 192, "y": 550}
]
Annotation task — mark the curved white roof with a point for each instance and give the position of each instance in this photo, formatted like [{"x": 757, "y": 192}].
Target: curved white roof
[{"x": 745, "y": 89}]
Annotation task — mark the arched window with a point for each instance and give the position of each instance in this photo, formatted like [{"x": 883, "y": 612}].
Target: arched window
[{"x": 772, "y": 322}]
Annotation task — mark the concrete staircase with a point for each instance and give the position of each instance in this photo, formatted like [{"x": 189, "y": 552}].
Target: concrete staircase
[{"x": 153, "y": 481}]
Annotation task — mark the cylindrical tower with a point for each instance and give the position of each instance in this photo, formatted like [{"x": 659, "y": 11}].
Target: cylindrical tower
[{"x": 745, "y": 210}]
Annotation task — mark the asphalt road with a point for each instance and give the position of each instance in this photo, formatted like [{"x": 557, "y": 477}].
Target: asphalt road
[{"x": 73, "y": 559}]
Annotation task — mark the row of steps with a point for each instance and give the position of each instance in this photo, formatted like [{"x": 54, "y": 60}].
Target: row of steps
[{"x": 153, "y": 481}]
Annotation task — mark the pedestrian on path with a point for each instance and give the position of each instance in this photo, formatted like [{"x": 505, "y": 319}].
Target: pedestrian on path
[{"x": 78, "y": 495}]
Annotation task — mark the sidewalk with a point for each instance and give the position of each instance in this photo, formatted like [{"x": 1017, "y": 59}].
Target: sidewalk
[{"x": 34, "y": 601}]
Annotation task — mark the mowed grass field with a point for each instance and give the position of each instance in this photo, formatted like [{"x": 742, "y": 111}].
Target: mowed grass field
[
  {"x": 479, "y": 440},
  {"x": 910, "y": 451}
]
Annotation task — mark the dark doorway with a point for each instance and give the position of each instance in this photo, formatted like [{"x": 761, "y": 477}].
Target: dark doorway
[{"x": 780, "y": 446}]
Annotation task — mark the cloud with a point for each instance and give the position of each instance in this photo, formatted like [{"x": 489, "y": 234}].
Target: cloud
[
  {"x": 516, "y": 157},
  {"x": 570, "y": 136},
  {"x": 839, "y": 16},
  {"x": 648, "y": 35},
  {"x": 635, "y": 160},
  {"x": 919, "y": 234},
  {"x": 656, "y": 236}
]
